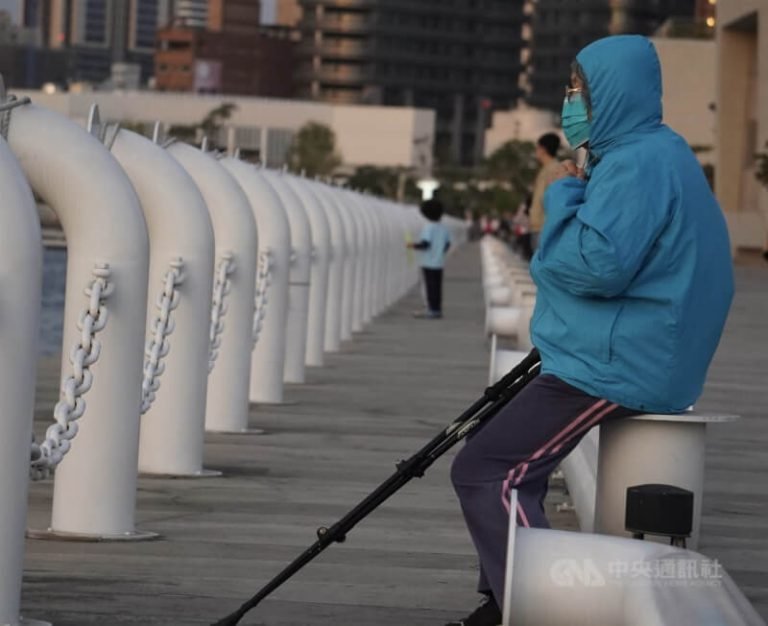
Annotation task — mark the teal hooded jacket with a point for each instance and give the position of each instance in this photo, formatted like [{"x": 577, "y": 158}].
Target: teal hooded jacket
[{"x": 633, "y": 269}]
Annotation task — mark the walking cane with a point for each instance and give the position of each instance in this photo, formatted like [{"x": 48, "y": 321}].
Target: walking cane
[{"x": 492, "y": 401}]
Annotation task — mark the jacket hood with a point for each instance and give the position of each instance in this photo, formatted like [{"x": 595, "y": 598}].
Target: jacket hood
[{"x": 624, "y": 78}]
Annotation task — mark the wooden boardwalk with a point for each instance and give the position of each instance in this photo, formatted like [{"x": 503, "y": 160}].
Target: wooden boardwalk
[
  {"x": 735, "y": 522},
  {"x": 411, "y": 563}
]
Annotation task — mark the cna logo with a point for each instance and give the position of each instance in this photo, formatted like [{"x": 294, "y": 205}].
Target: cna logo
[{"x": 574, "y": 572}]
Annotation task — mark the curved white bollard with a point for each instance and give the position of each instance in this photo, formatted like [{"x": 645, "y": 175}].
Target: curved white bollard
[
  {"x": 321, "y": 262},
  {"x": 580, "y": 472},
  {"x": 365, "y": 251},
  {"x": 351, "y": 262},
  {"x": 299, "y": 279},
  {"x": 372, "y": 249},
  {"x": 268, "y": 359},
  {"x": 172, "y": 429},
  {"x": 392, "y": 238},
  {"x": 95, "y": 486},
  {"x": 597, "y": 579},
  {"x": 401, "y": 279},
  {"x": 413, "y": 230},
  {"x": 339, "y": 255},
  {"x": 20, "y": 275},
  {"x": 380, "y": 254},
  {"x": 234, "y": 230}
]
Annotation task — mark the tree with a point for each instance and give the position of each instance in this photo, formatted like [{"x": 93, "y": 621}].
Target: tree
[
  {"x": 498, "y": 185},
  {"x": 386, "y": 182},
  {"x": 313, "y": 150},
  {"x": 515, "y": 163},
  {"x": 209, "y": 126},
  {"x": 215, "y": 118}
]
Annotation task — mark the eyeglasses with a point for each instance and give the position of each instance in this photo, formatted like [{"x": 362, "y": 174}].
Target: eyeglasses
[{"x": 570, "y": 92}]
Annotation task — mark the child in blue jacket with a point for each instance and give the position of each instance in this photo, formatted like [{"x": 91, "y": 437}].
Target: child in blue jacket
[{"x": 434, "y": 242}]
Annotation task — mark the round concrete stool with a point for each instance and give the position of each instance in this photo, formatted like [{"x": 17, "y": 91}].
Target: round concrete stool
[{"x": 667, "y": 449}]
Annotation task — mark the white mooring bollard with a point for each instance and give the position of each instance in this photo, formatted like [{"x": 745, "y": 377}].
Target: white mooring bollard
[
  {"x": 299, "y": 278},
  {"x": 351, "y": 262},
  {"x": 369, "y": 220},
  {"x": 20, "y": 275},
  {"x": 363, "y": 258},
  {"x": 180, "y": 282},
  {"x": 268, "y": 360},
  {"x": 339, "y": 255},
  {"x": 95, "y": 486},
  {"x": 234, "y": 229},
  {"x": 321, "y": 261}
]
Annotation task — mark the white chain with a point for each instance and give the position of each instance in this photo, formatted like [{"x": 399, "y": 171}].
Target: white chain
[
  {"x": 263, "y": 280},
  {"x": 71, "y": 406},
  {"x": 158, "y": 346},
  {"x": 6, "y": 108},
  {"x": 221, "y": 287}
]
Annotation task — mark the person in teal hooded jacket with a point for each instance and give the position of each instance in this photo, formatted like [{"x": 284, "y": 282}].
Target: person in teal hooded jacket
[
  {"x": 634, "y": 281},
  {"x": 634, "y": 272}
]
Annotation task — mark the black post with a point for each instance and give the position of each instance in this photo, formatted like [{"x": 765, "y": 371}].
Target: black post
[{"x": 492, "y": 401}]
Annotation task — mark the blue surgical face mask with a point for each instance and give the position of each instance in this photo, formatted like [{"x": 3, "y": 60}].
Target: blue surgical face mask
[{"x": 575, "y": 120}]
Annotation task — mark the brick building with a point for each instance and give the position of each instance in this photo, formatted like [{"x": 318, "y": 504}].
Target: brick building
[{"x": 227, "y": 61}]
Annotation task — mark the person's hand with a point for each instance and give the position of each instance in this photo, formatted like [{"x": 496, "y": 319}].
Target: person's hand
[{"x": 569, "y": 169}]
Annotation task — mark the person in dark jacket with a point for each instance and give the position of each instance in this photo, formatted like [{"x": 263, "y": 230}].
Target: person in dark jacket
[{"x": 635, "y": 281}]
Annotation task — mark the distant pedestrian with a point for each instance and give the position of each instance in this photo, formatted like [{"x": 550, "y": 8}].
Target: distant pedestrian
[
  {"x": 522, "y": 229},
  {"x": 434, "y": 242},
  {"x": 546, "y": 153}
]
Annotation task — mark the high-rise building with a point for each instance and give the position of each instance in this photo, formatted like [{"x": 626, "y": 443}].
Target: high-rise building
[
  {"x": 706, "y": 11},
  {"x": 234, "y": 16},
  {"x": 288, "y": 13},
  {"x": 561, "y": 29},
  {"x": 192, "y": 13},
  {"x": 461, "y": 58},
  {"x": 234, "y": 55},
  {"x": 98, "y": 33}
]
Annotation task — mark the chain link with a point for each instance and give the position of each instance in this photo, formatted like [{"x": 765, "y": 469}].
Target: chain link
[
  {"x": 158, "y": 345},
  {"x": 263, "y": 280},
  {"x": 221, "y": 288},
  {"x": 6, "y": 108},
  {"x": 71, "y": 405}
]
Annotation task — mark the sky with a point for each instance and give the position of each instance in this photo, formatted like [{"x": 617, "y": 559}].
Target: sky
[{"x": 12, "y": 6}]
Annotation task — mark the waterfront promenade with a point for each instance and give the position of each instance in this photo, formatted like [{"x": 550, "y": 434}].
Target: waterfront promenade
[{"x": 411, "y": 563}]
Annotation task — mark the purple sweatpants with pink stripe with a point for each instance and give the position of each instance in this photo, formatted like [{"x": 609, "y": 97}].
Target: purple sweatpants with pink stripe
[{"x": 518, "y": 449}]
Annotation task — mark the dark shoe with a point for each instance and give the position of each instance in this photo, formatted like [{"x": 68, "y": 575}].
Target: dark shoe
[
  {"x": 428, "y": 315},
  {"x": 487, "y": 614}
]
